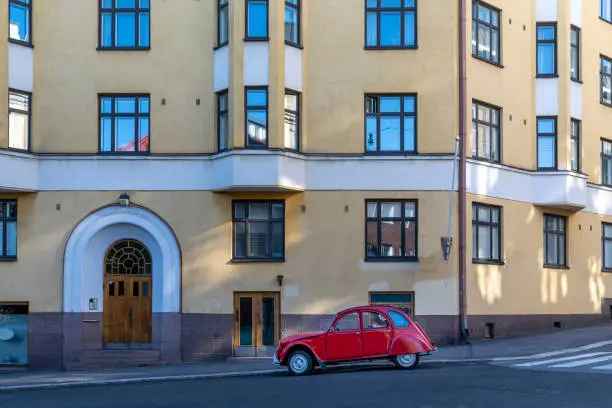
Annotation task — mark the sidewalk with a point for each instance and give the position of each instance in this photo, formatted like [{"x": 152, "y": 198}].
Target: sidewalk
[{"x": 559, "y": 342}]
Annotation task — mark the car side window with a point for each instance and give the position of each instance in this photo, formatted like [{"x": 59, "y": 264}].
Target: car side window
[
  {"x": 373, "y": 321},
  {"x": 347, "y": 322},
  {"x": 398, "y": 319}
]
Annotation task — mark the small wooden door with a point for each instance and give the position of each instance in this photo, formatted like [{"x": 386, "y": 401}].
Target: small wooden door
[
  {"x": 128, "y": 294},
  {"x": 256, "y": 323}
]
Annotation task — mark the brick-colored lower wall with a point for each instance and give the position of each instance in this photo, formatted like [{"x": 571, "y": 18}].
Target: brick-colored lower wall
[{"x": 206, "y": 336}]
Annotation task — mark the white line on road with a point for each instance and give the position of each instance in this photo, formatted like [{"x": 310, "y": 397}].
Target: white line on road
[
  {"x": 556, "y": 353},
  {"x": 558, "y": 360},
  {"x": 582, "y": 362}
]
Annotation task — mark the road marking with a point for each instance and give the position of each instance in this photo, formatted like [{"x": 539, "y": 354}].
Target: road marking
[
  {"x": 603, "y": 367},
  {"x": 582, "y": 362},
  {"x": 557, "y": 360},
  {"x": 555, "y": 353}
]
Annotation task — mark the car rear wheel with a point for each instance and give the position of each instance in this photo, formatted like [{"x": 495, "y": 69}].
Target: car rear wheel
[
  {"x": 299, "y": 363},
  {"x": 406, "y": 361}
]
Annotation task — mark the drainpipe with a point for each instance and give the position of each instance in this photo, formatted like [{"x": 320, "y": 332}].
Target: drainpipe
[{"x": 462, "y": 173}]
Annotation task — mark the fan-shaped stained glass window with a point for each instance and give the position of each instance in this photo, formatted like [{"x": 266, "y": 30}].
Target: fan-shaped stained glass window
[{"x": 128, "y": 257}]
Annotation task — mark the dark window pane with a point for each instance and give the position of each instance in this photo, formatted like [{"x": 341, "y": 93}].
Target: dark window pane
[
  {"x": 372, "y": 239},
  {"x": 410, "y": 239},
  {"x": 246, "y": 321},
  {"x": 372, "y": 210},
  {"x": 291, "y": 24},
  {"x": 121, "y": 288},
  {"x": 277, "y": 240},
  {"x": 278, "y": 211},
  {"x": 239, "y": 239},
  {"x": 144, "y": 30},
  {"x": 259, "y": 211},
  {"x": 257, "y": 19},
  {"x": 372, "y": 30},
  {"x": 349, "y": 322},
  {"x": 107, "y": 30},
  {"x": 409, "y": 29},
  {"x": 391, "y": 238},
  {"x": 135, "y": 289},
  {"x": 257, "y": 131},
  {"x": 371, "y": 134},
  {"x": 11, "y": 238},
  {"x": 390, "y": 298},
  {"x": 145, "y": 289},
  {"x": 19, "y": 22},
  {"x": 257, "y": 239},
  {"x": 268, "y": 321},
  {"x": 11, "y": 209},
  {"x": 111, "y": 288},
  {"x": 240, "y": 210}
]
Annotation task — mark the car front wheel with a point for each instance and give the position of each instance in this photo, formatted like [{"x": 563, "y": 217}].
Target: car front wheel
[
  {"x": 406, "y": 361},
  {"x": 299, "y": 363}
]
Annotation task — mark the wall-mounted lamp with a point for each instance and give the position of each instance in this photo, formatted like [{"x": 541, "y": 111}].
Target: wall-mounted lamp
[
  {"x": 124, "y": 200},
  {"x": 279, "y": 279}
]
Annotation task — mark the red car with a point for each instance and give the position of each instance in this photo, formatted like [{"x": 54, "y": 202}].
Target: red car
[{"x": 357, "y": 334}]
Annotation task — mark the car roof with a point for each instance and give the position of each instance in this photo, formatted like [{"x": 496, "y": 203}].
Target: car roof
[{"x": 381, "y": 308}]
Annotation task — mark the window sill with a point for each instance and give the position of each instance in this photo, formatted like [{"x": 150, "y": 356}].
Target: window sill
[
  {"x": 556, "y": 267},
  {"x": 256, "y": 39},
  {"x": 482, "y": 159},
  {"x": 123, "y": 48},
  {"x": 578, "y": 81},
  {"x": 495, "y": 64},
  {"x": 19, "y": 42},
  {"x": 604, "y": 20},
  {"x": 8, "y": 259},
  {"x": 546, "y": 169},
  {"x": 607, "y": 105},
  {"x": 388, "y": 48},
  {"x": 256, "y": 260},
  {"x": 406, "y": 153},
  {"x": 487, "y": 262},
  {"x": 294, "y": 45},
  {"x": 124, "y": 153},
  {"x": 407, "y": 260},
  {"x": 547, "y": 76},
  {"x": 219, "y": 46},
  {"x": 606, "y": 270}
]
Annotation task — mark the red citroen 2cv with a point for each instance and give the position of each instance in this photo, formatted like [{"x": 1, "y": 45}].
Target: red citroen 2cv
[{"x": 358, "y": 334}]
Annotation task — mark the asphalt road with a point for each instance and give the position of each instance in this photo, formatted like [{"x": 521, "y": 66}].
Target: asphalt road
[{"x": 429, "y": 386}]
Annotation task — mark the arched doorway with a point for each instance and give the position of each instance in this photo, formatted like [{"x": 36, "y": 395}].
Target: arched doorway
[{"x": 128, "y": 288}]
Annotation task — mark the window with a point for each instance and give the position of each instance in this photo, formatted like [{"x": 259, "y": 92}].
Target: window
[
  {"x": 292, "y": 21},
  {"x": 485, "y": 32},
  {"x": 8, "y": 229},
  {"x": 547, "y": 143},
  {"x": 348, "y": 322},
  {"x": 606, "y": 246},
  {"x": 124, "y": 124},
  {"x": 257, "y": 20},
  {"x": 259, "y": 230},
  {"x": 222, "y": 121},
  {"x": 605, "y": 10},
  {"x": 222, "y": 22},
  {"x": 391, "y": 230},
  {"x": 256, "y": 117},
  {"x": 398, "y": 319},
  {"x": 485, "y": 131},
  {"x": 575, "y": 53},
  {"x": 391, "y": 24},
  {"x": 401, "y": 300},
  {"x": 546, "y": 49},
  {"x": 14, "y": 320},
  {"x": 124, "y": 24},
  {"x": 292, "y": 120},
  {"x": 20, "y": 17},
  {"x": 374, "y": 321},
  {"x": 554, "y": 240},
  {"x": 391, "y": 123},
  {"x": 575, "y": 144},
  {"x": 606, "y": 162},
  {"x": 486, "y": 233},
  {"x": 605, "y": 81},
  {"x": 19, "y": 120}
]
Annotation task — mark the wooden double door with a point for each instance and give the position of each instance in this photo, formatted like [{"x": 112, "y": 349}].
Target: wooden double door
[
  {"x": 127, "y": 309},
  {"x": 256, "y": 323}
]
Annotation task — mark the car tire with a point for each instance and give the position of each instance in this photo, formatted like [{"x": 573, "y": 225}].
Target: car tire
[
  {"x": 299, "y": 363},
  {"x": 406, "y": 361}
]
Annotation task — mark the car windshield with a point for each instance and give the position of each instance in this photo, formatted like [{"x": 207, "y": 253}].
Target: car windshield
[{"x": 398, "y": 319}]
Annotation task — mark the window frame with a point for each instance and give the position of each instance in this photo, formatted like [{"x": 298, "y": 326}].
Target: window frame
[
  {"x": 403, "y": 10},
  {"x": 490, "y": 27},
  {"x": 255, "y": 107},
  {"x": 601, "y": 11},
  {"x": 500, "y": 119},
  {"x": 578, "y": 47},
  {"x": 220, "y": 112},
  {"x": 490, "y": 224},
  {"x": 113, "y": 10},
  {"x": 270, "y": 221},
  {"x": 605, "y": 239},
  {"x": 18, "y": 111},
  {"x": 113, "y": 115},
  {"x": 554, "y": 41},
  {"x": 402, "y": 219},
  {"x": 554, "y": 135},
  {"x": 298, "y": 10},
  {"x": 27, "y": 5},
  {"x": 402, "y": 115},
  {"x": 603, "y": 58},
  {"x": 604, "y": 156},
  {"x": 4, "y": 231},
  {"x": 298, "y": 125},
  {"x": 576, "y": 139},
  {"x": 562, "y": 242},
  {"x": 222, "y": 5},
  {"x": 248, "y": 37}
]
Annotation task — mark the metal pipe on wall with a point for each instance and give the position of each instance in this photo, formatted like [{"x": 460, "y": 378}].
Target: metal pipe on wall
[{"x": 462, "y": 172}]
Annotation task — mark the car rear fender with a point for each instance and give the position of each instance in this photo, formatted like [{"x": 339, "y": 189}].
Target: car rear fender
[
  {"x": 408, "y": 344},
  {"x": 300, "y": 346}
]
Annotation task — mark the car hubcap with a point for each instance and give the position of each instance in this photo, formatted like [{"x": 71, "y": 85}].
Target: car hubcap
[
  {"x": 407, "y": 359},
  {"x": 299, "y": 364}
]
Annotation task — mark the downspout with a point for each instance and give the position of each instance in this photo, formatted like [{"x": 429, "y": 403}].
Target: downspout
[{"x": 462, "y": 173}]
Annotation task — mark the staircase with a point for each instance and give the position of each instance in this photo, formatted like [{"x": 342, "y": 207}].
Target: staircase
[{"x": 96, "y": 359}]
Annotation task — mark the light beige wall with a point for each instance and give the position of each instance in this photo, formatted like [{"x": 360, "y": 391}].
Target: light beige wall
[
  {"x": 522, "y": 285},
  {"x": 324, "y": 269},
  {"x": 69, "y": 72},
  {"x": 4, "y": 81}
]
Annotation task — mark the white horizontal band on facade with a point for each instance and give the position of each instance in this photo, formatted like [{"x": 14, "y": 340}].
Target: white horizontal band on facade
[
  {"x": 279, "y": 171},
  {"x": 546, "y": 10}
]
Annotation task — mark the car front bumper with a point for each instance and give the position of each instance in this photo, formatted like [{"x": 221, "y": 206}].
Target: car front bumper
[{"x": 275, "y": 360}]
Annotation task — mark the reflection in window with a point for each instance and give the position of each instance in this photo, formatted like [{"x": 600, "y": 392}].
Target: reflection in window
[
  {"x": 575, "y": 53},
  {"x": 546, "y": 60},
  {"x": 19, "y": 120},
  {"x": 605, "y": 10},
  {"x": 575, "y": 126},
  {"x": 606, "y": 162},
  {"x": 391, "y": 24},
  {"x": 292, "y": 120},
  {"x": 390, "y": 123},
  {"x": 292, "y": 21},
  {"x": 222, "y": 121},
  {"x": 256, "y": 117},
  {"x": 257, "y": 19},
  {"x": 14, "y": 321},
  {"x": 398, "y": 319},
  {"x": 485, "y": 132},
  {"x": 605, "y": 80},
  {"x": 8, "y": 229},
  {"x": 547, "y": 143},
  {"x": 486, "y": 233},
  {"x": 124, "y": 24},
  {"x": 391, "y": 230},
  {"x": 20, "y": 12},
  {"x": 124, "y": 124},
  {"x": 348, "y": 322},
  {"x": 606, "y": 238},
  {"x": 259, "y": 230},
  {"x": 222, "y": 22},
  {"x": 554, "y": 240},
  {"x": 485, "y": 32}
]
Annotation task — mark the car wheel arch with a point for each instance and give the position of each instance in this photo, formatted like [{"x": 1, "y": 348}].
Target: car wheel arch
[{"x": 301, "y": 347}]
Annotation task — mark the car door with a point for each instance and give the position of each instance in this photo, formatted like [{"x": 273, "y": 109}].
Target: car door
[
  {"x": 376, "y": 333},
  {"x": 343, "y": 340}
]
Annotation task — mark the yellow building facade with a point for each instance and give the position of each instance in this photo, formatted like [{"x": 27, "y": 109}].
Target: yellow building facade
[{"x": 196, "y": 179}]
